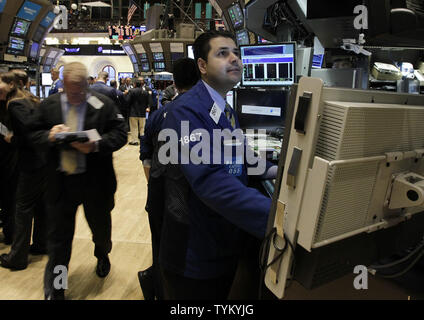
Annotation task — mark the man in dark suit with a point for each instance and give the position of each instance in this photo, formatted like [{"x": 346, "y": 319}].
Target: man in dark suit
[
  {"x": 138, "y": 100},
  {"x": 100, "y": 86},
  {"x": 78, "y": 172}
]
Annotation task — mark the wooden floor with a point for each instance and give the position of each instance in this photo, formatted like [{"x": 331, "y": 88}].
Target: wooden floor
[{"x": 131, "y": 251}]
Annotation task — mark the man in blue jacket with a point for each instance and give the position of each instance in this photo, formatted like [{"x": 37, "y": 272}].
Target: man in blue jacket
[
  {"x": 57, "y": 85},
  {"x": 208, "y": 206}
]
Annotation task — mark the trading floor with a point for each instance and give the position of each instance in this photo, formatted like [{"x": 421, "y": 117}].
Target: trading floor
[{"x": 131, "y": 251}]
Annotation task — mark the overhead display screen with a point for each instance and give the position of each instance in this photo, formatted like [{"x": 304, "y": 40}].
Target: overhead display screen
[
  {"x": 29, "y": 11},
  {"x": 242, "y": 37},
  {"x": 48, "y": 19},
  {"x": 34, "y": 50},
  {"x": 20, "y": 28},
  {"x": 16, "y": 46},
  {"x": 38, "y": 35},
  {"x": 236, "y": 16}
]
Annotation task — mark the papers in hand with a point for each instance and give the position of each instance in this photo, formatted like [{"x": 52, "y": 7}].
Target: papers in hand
[
  {"x": 80, "y": 136},
  {"x": 4, "y": 131}
]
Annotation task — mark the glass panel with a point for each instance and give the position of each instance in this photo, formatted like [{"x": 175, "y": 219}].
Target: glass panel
[{"x": 197, "y": 10}]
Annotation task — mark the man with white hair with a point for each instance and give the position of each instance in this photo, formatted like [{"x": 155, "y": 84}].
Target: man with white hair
[{"x": 78, "y": 172}]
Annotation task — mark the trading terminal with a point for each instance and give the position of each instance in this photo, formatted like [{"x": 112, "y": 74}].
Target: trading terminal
[{"x": 331, "y": 92}]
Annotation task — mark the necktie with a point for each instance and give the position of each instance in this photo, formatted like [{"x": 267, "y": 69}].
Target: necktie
[
  {"x": 230, "y": 115},
  {"x": 69, "y": 157}
]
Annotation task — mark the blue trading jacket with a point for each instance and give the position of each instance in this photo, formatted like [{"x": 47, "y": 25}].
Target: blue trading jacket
[{"x": 202, "y": 235}]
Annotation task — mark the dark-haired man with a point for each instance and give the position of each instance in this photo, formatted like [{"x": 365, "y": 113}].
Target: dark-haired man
[
  {"x": 208, "y": 206},
  {"x": 185, "y": 77}
]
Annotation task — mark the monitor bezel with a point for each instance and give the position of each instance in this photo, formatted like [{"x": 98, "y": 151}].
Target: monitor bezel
[
  {"x": 19, "y": 53},
  {"x": 270, "y": 44},
  {"x": 20, "y": 35},
  {"x": 234, "y": 4}
]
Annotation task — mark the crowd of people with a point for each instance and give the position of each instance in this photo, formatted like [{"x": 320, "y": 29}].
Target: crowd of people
[{"x": 199, "y": 214}]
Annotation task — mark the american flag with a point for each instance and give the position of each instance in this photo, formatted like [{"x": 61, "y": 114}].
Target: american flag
[{"x": 131, "y": 10}]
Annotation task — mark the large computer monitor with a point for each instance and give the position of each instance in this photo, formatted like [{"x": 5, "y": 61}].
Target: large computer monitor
[
  {"x": 268, "y": 65},
  {"x": 145, "y": 67},
  {"x": 34, "y": 50},
  {"x": 136, "y": 68},
  {"x": 159, "y": 66},
  {"x": 20, "y": 28},
  {"x": 352, "y": 186},
  {"x": 236, "y": 15},
  {"x": 261, "y": 109},
  {"x": 16, "y": 46},
  {"x": 133, "y": 58},
  {"x": 158, "y": 56}
]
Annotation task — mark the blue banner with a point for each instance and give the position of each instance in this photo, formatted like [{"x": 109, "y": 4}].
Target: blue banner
[
  {"x": 29, "y": 11},
  {"x": 2, "y": 4},
  {"x": 48, "y": 19}
]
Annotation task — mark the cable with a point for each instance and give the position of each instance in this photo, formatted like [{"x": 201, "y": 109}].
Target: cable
[
  {"x": 395, "y": 275},
  {"x": 394, "y": 263}
]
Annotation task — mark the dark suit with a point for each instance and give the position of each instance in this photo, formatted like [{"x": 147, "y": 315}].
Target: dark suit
[
  {"x": 94, "y": 188},
  {"x": 138, "y": 100},
  {"x": 106, "y": 90},
  {"x": 55, "y": 87}
]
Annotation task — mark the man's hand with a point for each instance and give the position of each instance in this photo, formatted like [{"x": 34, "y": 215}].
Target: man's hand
[
  {"x": 85, "y": 147},
  {"x": 8, "y": 138},
  {"x": 56, "y": 129}
]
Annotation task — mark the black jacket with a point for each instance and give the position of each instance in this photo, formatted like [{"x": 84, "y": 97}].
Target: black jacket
[
  {"x": 138, "y": 100},
  {"x": 29, "y": 159},
  {"x": 106, "y": 90},
  {"x": 109, "y": 123}
]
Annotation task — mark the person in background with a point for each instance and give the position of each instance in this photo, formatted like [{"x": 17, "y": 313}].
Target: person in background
[
  {"x": 139, "y": 100},
  {"x": 168, "y": 94},
  {"x": 122, "y": 104},
  {"x": 57, "y": 85},
  {"x": 101, "y": 87},
  {"x": 78, "y": 172},
  {"x": 91, "y": 80},
  {"x": 32, "y": 180},
  {"x": 185, "y": 77}
]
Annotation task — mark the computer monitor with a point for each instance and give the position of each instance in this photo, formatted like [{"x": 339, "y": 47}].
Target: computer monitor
[
  {"x": 38, "y": 35},
  {"x": 16, "y": 46},
  {"x": 143, "y": 56},
  {"x": 127, "y": 48},
  {"x": 34, "y": 50},
  {"x": 125, "y": 75},
  {"x": 261, "y": 109},
  {"x": 46, "y": 79},
  {"x": 46, "y": 91},
  {"x": 29, "y": 11},
  {"x": 236, "y": 15},
  {"x": 48, "y": 62},
  {"x": 317, "y": 61},
  {"x": 351, "y": 190},
  {"x": 159, "y": 66},
  {"x": 242, "y": 37},
  {"x": 136, "y": 68},
  {"x": 268, "y": 65},
  {"x": 158, "y": 56},
  {"x": 33, "y": 90},
  {"x": 145, "y": 67},
  {"x": 20, "y": 28},
  {"x": 133, "y": 58},
  {"x": 190, "y": 53}
]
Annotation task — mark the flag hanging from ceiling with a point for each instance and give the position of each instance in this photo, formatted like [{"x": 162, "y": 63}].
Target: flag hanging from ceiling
[{"x": 131, "y": 10}]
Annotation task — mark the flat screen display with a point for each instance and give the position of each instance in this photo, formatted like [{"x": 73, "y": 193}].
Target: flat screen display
[
  {"x": 145, "y": 67},
  {"x": 48, "y": 62},
  {"x": 159, "y": 66},
  {"x": 143, "y": 56},
  {"x": 20, "y": 28},
  {"x": 33, "y": 90},
  {"x": 16, "y": 46},
  {"x": 46, "y": 79},
  {"x": 158, "y": 56},
  {"x": 136, "y": 69},
  {"x": 125, "y": 75},
  {"x": 38, "y": 35},
  {"x": 317, "y": 61},
  {"x": 34, "y": 50},
  {"x": 128, "y": 50},
  {"x": 268, "y": 65},
  {"x": 29, "y": 11},
  {"x": 236, "y": 15},
  {"x": 242, "y": 37},
  {"x": 261, "y": 109},
  {"x": 133, "y": 58}
]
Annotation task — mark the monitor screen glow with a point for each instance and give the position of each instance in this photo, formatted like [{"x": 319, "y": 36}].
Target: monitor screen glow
[
  {"x": 158, "y": 56},
  {"x": 236, "y": 15},
  {"x": 16, "y": 46},
  {"x": 190, "y": 53},
  {"x": 34, "y": 50},
  {"x": 268, "y": 65},
  {"x": 317, "y": 61},
  {"x": 46, "y": 79},
  {"x": 20, "y": 28},
  {"x": 242, "y": 37}
]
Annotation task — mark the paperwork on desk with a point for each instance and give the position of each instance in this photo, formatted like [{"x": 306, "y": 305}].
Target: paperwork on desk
[{"x": 265, "y": 143}]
